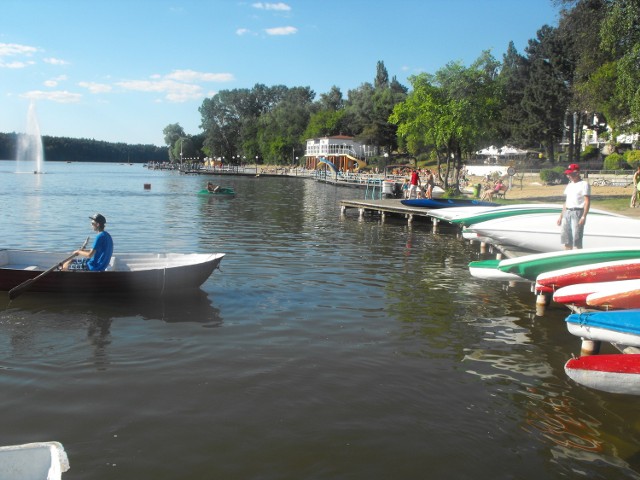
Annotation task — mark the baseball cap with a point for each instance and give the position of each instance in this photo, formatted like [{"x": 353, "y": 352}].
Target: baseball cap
[
  {"x": 573, "y": 168},
  {"x": 98, "y": 218}
]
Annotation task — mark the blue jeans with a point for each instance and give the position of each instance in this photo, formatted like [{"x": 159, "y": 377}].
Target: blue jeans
[{"x": 571, "y": 233}]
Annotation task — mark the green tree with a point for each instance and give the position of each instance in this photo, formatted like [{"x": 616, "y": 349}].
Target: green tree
[
  {"x": 452, "y": 110},
  {"x": 546, "y": 95},
  {"x": 620, "y": 36},
  {"x": 281, "y": 129},
  {"x": 172, "y": 135},
  {"x": 369, "y": 107}
]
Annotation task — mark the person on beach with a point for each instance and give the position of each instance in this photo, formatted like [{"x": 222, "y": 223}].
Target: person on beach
[
  {"x": 575, "y": 209},
  {"x": 636, "y": 188},
  {"x": 97, "y": 258},
  {"x": 414, "y": 182},
  {"x": 490, "y": 191}
]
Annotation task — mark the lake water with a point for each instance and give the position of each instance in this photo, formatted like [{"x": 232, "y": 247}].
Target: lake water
[{"x": 326, "y": 347}]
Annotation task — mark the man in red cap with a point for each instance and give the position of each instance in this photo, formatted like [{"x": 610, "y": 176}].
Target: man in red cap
[{"x": 575, "y": 208}]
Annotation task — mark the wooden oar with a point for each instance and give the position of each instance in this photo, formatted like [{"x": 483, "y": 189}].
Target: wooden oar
[{"x": 18, "y": 290}]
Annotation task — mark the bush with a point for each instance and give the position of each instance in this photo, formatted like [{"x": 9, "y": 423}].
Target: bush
[
  {"x": 590, "y": 152},
  {"x": 632, "y": 157},
  {"x": 613, "y": 161},
  {"x": 553, "y": 176}
]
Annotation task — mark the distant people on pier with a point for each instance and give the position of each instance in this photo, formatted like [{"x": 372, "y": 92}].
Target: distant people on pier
[
  {"x": 431, "y": 182},
  {"x": 414, "y": 184},
  {"x": 405, "y": 188}
]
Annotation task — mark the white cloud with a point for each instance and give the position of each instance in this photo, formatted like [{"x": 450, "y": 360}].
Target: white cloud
[
  {"x": 53, "y": 82},
  {"x": 96, "y": 87},
  {"x": 16, "y": 50},
  {"x": 13, "y": 49},
  {"x": 281, "y": 31},
  {"x": 280, "y": 6},
  {"x": 55, "y": 61},
  {"x": 16, "y": 64},
  {"x": 60, "y": 96},
  {"x": 191, "y": 76},
  {"x": 178, "y": 86},
  {"x": 243, "y": 31},
  {"x": 176, "y": 92}
]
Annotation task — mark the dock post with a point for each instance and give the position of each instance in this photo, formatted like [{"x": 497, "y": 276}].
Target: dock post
[
  {"x": 382, "y": 215},
  {"x": 410, "y": 218},
  {"x": 361, "y": 210},
  {"x": 483, "y": 247},
  {"x": 589, "y": 347},
  {"x": 542, "y": 300}
]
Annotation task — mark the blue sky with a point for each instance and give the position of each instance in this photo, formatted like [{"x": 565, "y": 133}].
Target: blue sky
[{"x": 121, "y": 71}]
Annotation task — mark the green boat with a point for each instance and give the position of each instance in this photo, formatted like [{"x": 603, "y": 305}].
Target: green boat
[
  {"x": 222, "y": 191},
  {"x": 488, "y": 270},
  {"x": 530, "y": 266},
  {"x": 513, "y": 210},
  {"x": 502, "y": 213}
]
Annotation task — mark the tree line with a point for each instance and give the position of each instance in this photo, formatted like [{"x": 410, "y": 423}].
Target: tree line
[
  {"x": 584, "y": 72},
  {"x": 59, "y": 149}
]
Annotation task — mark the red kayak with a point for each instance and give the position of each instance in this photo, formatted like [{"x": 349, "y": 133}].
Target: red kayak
[
  {"x": 577, "y": 294},
  {"x": 596, "y": 272},
  {"x": 621, "y": 295},
  {"x": 616, "y": 373}
]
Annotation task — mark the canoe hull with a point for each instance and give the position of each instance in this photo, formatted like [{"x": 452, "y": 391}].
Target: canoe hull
[
  {"x": 488, "y": 270},
  {"x": 531, "y": 266},
  {"x": 616, "y": 326},
  {"x": 540, "y": 232},
  {"x": 150, "y": 275},
  {"x": 616, "y": 373},
  {"x": 623, "y": 295},
  {"x": 33, "y": 460},
  {"x": 591, "y": 273},
  {"x": 578, "y": 293}
]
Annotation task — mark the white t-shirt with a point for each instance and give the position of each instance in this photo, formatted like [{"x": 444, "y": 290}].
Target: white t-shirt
[{"x": 575, "y": 193}]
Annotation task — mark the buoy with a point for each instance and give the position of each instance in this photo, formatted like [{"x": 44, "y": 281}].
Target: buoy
[{"x": 147, "y": 186}]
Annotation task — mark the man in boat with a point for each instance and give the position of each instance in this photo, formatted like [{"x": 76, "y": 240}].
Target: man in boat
[
  {"x": 575, "y": 209},
  {"x": 212, "y": 188},
  {"x": 98, "y": 257}
]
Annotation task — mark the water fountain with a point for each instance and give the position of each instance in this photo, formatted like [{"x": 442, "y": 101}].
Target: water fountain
[{"x": 30, "y": 143}]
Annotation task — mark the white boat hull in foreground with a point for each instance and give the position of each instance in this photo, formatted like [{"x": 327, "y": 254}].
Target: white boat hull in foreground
[
  {"x": 541, "y": 233},
  {"x": 33, "y": 461}
]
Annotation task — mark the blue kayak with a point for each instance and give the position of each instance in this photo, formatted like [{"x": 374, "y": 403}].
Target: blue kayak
[
  {"x": 624, "y": 321},
  {"x": 446, "y": 202}
]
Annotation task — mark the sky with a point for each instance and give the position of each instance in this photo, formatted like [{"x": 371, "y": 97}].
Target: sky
[{"x": 122, "y": 70}]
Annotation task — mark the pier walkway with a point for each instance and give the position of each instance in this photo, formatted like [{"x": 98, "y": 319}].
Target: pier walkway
[{"x": 384, "y": 207}]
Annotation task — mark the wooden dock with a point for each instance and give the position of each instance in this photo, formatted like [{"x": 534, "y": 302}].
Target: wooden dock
[{"x": 384, "y": 207}]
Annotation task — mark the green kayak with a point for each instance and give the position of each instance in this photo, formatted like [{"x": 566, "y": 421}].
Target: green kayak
[
  {"x": 222, "y": 191},
  {"x": 530, "y": 266}
]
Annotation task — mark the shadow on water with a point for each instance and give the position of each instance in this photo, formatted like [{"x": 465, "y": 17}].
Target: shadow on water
[{"x": 189, "y": 306}]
